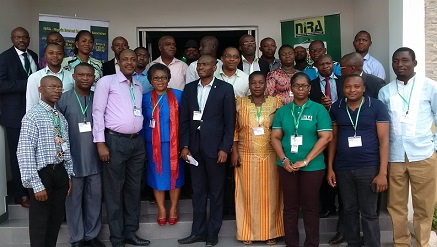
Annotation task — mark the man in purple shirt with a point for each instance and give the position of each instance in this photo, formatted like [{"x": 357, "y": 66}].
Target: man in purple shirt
[{"x": 118, "y": 119}]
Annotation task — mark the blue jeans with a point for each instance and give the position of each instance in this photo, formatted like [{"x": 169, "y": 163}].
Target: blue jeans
[{"x": 354, "y": 186}]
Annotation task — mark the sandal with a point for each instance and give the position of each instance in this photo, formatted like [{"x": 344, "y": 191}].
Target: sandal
[
  {"x": 247, "y": 242},
  {"x": 271, "y": 241}
]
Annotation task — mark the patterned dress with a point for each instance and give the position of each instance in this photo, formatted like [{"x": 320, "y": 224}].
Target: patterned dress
[
  {"x": 258, "y": 198},
  {"x": 278, "y": 84}
]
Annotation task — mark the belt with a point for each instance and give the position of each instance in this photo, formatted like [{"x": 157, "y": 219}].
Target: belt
[
  {"x": 55, "y": 166},
  {"x": 111, "y": 132}
]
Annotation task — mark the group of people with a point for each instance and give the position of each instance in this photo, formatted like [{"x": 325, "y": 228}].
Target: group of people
[{"x": 80, "y": 131}]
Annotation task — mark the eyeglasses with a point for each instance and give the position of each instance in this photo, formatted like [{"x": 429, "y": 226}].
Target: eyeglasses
[
  {"x": 229, "y": 56},
  {"x": 54, "y": 89},
  {"x": 316, "y": 50},
  {"x": 247, "y": 43},
  {"x": 160, "y": 78},
  {"x": 297, "y": 86}
]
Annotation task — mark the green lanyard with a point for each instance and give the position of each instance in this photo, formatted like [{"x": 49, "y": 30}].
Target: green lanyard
[
  {"x": 200, "y": 102},
  {"x": 358, "y": 115},
  {"x": 411, "y": 92},
  {"x": 57, "y": 122},
  {"x": 258, "y": 114},
  {"x": 27, "y": 72},
  {"x": 297, "y": 121},
  {"x": 132, "y": 93},
  {"x": 81, "y": 107},
  {"x": 286, "y": 73},
  {"x": 236, "y": 74},
  {"x": 160, "y": 98}
]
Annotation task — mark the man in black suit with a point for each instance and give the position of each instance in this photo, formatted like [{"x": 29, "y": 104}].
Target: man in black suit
[
  {"x": 207, "y": 122},
  {"x": 111, "y": 67},
  {"x": 16, "y": 64},
  {"x": 249, "y": 62},
  {"x": 352, "y": 63}
]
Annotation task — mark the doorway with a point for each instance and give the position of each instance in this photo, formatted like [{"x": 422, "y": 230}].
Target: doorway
[{"x": 227, "y": 36}]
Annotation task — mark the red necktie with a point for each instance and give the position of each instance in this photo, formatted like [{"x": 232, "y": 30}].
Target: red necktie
[{"x": 328, "y": 87}]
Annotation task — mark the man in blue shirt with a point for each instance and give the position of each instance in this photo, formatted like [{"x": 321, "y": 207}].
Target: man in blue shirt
[
  {"x": 359, "y": 155},
  {"x": 411, "y": 100},
  {"x": 362, "y": 43},
  {"x": 140, "y": 74},
  {"x": 317, "y": 49}
]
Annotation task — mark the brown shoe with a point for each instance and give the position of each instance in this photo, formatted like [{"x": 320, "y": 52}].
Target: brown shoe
[{"x": 23, "y": 201}]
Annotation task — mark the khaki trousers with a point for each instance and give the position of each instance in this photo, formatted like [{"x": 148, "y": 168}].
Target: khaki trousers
[{"x": 422, "y": 176}]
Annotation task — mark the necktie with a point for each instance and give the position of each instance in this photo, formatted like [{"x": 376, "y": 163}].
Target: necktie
[
  {"x": 328, "y": 87},
  {"x": 27, "y": 64}
]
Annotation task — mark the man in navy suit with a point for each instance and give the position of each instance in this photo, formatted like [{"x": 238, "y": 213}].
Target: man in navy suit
[
  {"x": 16, "y": 64},
  {"x": 111, "y": 67},
  {"x": 207, "y": 122}
]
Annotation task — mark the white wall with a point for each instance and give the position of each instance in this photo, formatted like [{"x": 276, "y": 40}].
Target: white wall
[{"x": 126, "y": 16}]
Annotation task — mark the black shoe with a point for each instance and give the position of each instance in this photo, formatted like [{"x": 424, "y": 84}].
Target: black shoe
[
  {"x": 135, "y": 240},
  {"x": 118, "y": 245},
  {"x": 337, "y": 239},
  {"x": 192, "y": 239},
  {"x": 94, "y": 243},
  {"x": 78, "y": 244},
  {"x": 324, "y": 213},
  {"x": 211, "y": 241}
]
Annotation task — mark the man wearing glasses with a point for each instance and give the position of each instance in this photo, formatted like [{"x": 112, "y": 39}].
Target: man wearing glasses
[
  {"x": 317, "y": 49},
  {"x": 249, "y": 62},
  {"x": 229, "y": 73},
  {"x": 16, "y": 64}
]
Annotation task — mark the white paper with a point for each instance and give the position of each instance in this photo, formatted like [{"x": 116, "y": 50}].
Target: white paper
[
  {"x": 192, "y": 160},
  {"x": 197, "y": 115},
  {"x": 354, "y": 141},
  {"x": 258, "y": 131},
  {"x": 85, "y": 127}
]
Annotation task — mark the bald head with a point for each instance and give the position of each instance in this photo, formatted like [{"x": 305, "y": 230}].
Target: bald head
[
  {"x": 20, "y": 38},
  {"x": 50, "y": 79},
  {"x": 351, "y": 63}
]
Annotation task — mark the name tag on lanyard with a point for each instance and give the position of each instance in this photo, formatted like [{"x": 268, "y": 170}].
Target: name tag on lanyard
[
  {"x": 197, "y": 115},
  {"x": 137, "y": 112},
  {"x": 258, "y": 131},
  {"x": 295, "y": 142},
  {"x": 354, "y": 141},
  {"x": 85, "y": 127}
]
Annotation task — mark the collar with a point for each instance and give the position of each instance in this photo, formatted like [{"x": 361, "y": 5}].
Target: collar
[
  {"x": 243, "y": 59},
  {"x": 223, "y": 73},
  {"x": 144, "y": 73},
  {"x": 307, "y": 104},
  {"x": 122, "y": 78},
  {"x": 409, "y": 82},
  {"x": 47, "y": 70},
  {"x": 46, "y": 107},
  {"x": 159, "y": 60},
  {"x": 115, "y": 61},
  {"x": 209, "y": 84},
  {"x": 366, "y": 57},
  {"x": 19, "y": 52},
  {"x": 332, "y": 76},
  {"x": 367, "y": 102}
]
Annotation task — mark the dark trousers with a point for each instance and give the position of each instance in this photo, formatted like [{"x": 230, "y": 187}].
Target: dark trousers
[
  {"x": 122, "y": 185},
  {"x": 301, "y": 190},
  {"x": 327, "y": 196},
  {"x": 45, "y": 217},
  {"x": 208, "y": 176},
  {"x": 12, "y": 136},
  {"x": 84, "y": 208},
  {"x": 358, "y": 198}
]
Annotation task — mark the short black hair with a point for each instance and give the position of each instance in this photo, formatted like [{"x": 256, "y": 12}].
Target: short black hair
[
  {"x": 141, "y": 48},
  {"x": 54, "y": 33},
  {"x": 409, "y": 50},
  {"x": 298, "y": 75},
  {"x": 156, "y": 67},
  {"x": 84, "y": 64},
  {"x": 255, "y": 73},
  {"x": 285, "y": 46},
  {"x": 56, "y": 44},
  {"x": 231, "y": 47},
  {"x": 78, "y": 35}
]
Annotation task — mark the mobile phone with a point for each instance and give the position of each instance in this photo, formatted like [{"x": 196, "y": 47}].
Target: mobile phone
[{"x": 373, "y": 187}]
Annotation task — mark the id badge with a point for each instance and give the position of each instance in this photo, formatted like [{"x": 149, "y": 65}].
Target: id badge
[
  {"x": 152, "y": 123},
  {"x": 85, "y": 127},
  {"x": 405, "y": 119},
  {"x": 64, "y": 147},
  {"x": 197, "y": 115},
  {"x": 296, "y": 140},
  {"x": 354, "y": 141},
  {"x": 137, "y": 112},
  {"x": 258, "y": 131},
  {"x": 294, "y": 148}
]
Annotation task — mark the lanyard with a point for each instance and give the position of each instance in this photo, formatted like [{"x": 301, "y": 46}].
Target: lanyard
[
  {"x": 200, "y": 102},
  {"x": 132, "y": 93},
  {"x": 57, "y": 122},
  {"x": 286, "y": 73},
  {"x": 258, "y": 114},
  {"x": 27, "y": 72},
  {"x": 160, "y": 98},
  {"x": 235, "y": 78},
  {"x": 81, "y": 107},
  {"x": 411, "y": 92},
  {"x": 358, "y": 115},
  {"x": 297, "y": 121}
]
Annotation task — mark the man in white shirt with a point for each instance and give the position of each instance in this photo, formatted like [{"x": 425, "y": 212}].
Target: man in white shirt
[
  {"x": 53, "y": 55},
  {"x": 111, "y": 67},
  {"x": 362, "y": 43},
  {"x": 411, "y": 100},
  {"x": 249, "y": 61},
  {"x": 178, "y": 69},
  {"x": 229, "y": 73},
  {"x": 208, "y": 46}
]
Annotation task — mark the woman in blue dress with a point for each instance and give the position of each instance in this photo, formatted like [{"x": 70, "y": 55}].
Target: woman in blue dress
[{"x": 165, "y": 171}]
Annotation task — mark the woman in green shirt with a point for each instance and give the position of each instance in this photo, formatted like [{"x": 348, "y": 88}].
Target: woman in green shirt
[{"x": 300, "y": 132}]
